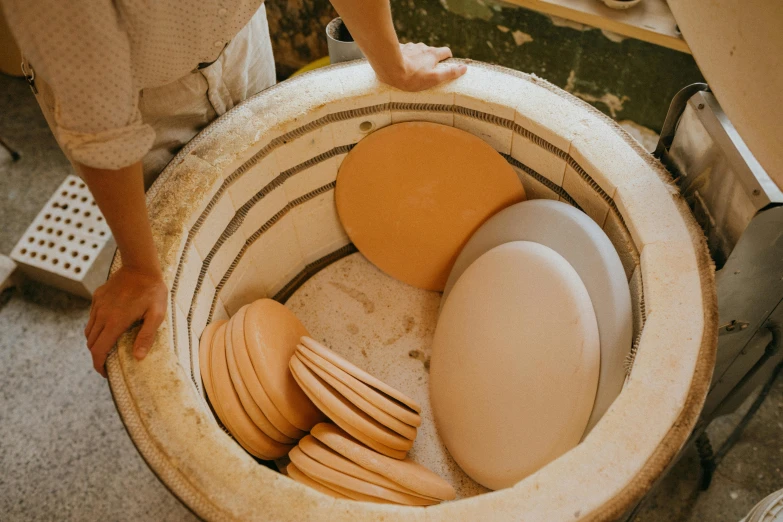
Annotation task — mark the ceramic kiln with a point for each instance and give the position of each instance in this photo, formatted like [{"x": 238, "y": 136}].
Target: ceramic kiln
[{"x": 247, "y": 210}]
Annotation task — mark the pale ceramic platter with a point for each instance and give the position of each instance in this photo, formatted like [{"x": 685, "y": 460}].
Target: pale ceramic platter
[
  {"x": 576, "y": 237},
  {"x": 515, "y": 361}
]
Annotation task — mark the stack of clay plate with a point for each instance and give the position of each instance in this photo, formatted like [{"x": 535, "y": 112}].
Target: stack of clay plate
[
  {"x": 584, "y": 245},
  {"x": 371, "y": 411},
  {"x": 331, "y": 461},
  {"x": 244, "y": 366},
  {"x": 529, "y": 348}
]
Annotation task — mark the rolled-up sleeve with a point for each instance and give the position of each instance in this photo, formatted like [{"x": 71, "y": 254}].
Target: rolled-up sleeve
[{"x": 79, "y": 47}]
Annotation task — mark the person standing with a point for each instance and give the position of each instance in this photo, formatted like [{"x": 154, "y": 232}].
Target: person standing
[{"x": 124, "y": 84}]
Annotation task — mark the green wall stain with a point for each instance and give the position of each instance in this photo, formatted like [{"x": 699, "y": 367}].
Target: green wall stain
[{"x": 468, "y": 8}]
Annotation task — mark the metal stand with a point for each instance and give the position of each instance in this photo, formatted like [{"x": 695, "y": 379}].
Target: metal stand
[
  {"x": 740, "y": 210},
  {"x": 710, "y": 460}
]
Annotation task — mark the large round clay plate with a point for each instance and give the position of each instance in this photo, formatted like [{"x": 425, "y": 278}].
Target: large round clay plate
[
  {"x": 410, "y": 195},
  {"x": 576, "y": 237},
  {"x": 515, "y": 362},
  {"x": 271, "y": 332}
]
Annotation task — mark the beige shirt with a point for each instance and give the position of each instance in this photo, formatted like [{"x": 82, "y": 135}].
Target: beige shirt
[{"x": 97, "y": 55}]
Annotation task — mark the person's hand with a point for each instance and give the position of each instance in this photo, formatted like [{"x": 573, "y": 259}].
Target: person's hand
[
  {"x": 128, "y": 296},
  {"x": 420, "y": 70}
]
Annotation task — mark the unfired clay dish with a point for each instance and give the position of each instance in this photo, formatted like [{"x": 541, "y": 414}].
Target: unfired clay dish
[
  {"x": 358, "y": 434},
  {"x": 410, "y": 195},
  {"x": 254, "y": 386},
  {"x": 371, "y": 395},
  {"x": 231, "y": 411},
  {"x": 209, "y": 382},
  {"x": 394, "y": 424},
  {"x": 328, "y": 475},
  {"x": 271, "y": 334},
  {"x": 358, "y": 373},
  {"x": 315, "y": 449},
  {"x": 407, "y": 473},
  {"x": 515, "y": 362},
  {"x": 250, "y": 406},
  {"x": 296, "y": 474},
  {"x": 344, "y": 412},
  {"x": 576, "y": 237},
  {"x": 204, "y": 348},
  {"x": 348, "y": 493}
]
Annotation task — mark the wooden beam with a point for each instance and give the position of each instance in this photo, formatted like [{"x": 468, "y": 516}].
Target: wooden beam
[{"x": 650, "y": 20}]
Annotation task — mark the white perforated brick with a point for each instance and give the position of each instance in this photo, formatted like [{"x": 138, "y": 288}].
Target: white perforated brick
[{"x": 68, "y": 245}]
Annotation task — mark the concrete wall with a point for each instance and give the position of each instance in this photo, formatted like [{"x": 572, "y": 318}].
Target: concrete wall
[{"x": 625, "y": 78}]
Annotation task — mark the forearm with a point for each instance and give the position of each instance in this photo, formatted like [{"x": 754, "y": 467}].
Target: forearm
[
  {"x": 370, "y": 24},
  {"x": 120, "y": 196}
]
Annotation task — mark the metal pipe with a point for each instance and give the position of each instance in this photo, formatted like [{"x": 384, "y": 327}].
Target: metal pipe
[{"x": 342, "y": 48}]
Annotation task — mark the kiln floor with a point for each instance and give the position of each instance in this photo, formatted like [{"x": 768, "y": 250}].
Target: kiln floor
[{"x": 385, "y": 327}]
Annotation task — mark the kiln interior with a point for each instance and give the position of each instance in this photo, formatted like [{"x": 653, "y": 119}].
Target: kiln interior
[{"x": 277, "y": 225}]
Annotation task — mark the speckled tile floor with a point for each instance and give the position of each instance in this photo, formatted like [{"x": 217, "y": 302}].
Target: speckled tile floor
[{"x": 64, "y": 454}]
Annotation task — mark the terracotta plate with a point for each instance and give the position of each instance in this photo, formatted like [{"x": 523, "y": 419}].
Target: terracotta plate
[
  {"x": 371, "y": 395},
  {"x": 315, "y": 449},
  {"x": 332, "y": 401},
  {"x": 251, "y": 408},
  {"x": 330, "y": 476},
  {"x": 204, "y": 350},
  {"x": 407, "y": 473},
  {"x": 296, "y": 474},
  {"x": 230, "y": 408},
  {"x": 250, "y": 379},
  {"x": 358, "y": 373},
  {"x": 272, "y": 332},
  {"x": 318, "y": 391},
  {"x": 391, "y": 422},
  {"x": 345, "y": 492},
  {"x": 410, "y": 195}
]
